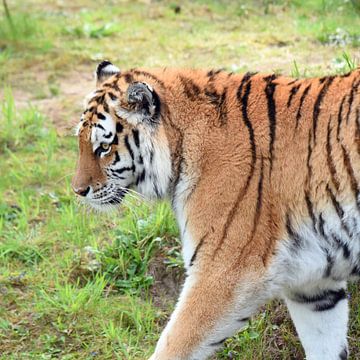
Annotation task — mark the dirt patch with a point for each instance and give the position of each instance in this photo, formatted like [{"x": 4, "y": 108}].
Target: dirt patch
[
  {"x": 167, "y": 282},
  {"x": 62, "y": 109}
]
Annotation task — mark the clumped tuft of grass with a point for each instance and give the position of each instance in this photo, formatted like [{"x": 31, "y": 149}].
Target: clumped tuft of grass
[
  {"x": 340, "y": 37},
  {"x": 19, "y": 129},
  {"x": 89, "y": 30},
  {"x": 71, "y": 299}
]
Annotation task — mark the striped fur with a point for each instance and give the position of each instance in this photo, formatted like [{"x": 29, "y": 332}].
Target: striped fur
[{"x": 263, "y": 173}]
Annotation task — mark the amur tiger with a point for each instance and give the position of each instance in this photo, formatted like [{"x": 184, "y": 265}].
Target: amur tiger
[{"x": 263, "y": 173}]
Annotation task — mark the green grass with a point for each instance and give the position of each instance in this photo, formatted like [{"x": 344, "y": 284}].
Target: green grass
[{"x": 77, "y": 285}]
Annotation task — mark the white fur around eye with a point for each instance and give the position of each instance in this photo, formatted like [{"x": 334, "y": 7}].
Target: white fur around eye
[{"x": 106, "y": 152}]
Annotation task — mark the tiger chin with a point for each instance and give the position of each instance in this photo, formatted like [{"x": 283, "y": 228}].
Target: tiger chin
[{"x": 263, "y": 173}]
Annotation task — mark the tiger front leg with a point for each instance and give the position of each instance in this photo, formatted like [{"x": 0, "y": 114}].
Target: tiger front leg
[{"x": 211, "y": 308}]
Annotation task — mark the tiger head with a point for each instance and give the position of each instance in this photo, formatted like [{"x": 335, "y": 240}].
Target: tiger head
[{"x": 122, "y": 141}]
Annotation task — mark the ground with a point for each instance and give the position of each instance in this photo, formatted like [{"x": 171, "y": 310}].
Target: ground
[{"x": 77, "y": 285}]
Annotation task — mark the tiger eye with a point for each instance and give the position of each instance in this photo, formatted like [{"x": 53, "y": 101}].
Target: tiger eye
[{"x": 105, "y": 146}]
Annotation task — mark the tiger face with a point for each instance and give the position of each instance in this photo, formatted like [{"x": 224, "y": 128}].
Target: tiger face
[{"x": 122, "y": 143}]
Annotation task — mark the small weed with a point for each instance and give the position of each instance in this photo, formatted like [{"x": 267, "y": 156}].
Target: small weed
[
  {"x": 295, "y": 71},
  {"x": 345, "y": 63},
  {"x": 350, "y": 62},
  {"x": 89, "y": 30}
]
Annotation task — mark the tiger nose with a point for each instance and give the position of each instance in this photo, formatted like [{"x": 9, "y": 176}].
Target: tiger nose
[{"x": 82, "y": 191}]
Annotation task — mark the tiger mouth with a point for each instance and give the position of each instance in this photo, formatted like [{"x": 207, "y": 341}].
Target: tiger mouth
[{"x": 114, "y": 199}]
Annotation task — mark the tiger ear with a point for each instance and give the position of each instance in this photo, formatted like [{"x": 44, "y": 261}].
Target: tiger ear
[
  {"x": 144, "y": 100},
  {"x": 104, "y": 70}
]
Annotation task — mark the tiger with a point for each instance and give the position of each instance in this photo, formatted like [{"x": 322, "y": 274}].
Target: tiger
[{"x": 263, "y": 175}]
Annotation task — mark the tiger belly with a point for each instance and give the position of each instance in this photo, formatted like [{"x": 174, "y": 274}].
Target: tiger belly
[{"x": 322, "y": 251}]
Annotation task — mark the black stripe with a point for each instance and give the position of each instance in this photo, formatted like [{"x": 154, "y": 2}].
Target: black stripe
[
  {"x": 344, "y": 354},
  {"x": 330, "y": 263},
  {"x": 213, "y": 96},
  {"x": 318, "y": 101},
  {"x": 326, "y": 300},
  {"x": 115, "y": 87},
  {"x": 113, "y": 97},
  {"x": 125, "y": 168},
  {"x": 354, "y": 87},
  {"x": 117, "y": 158},
  {"x": 99, "y": 98},
  {"x": 128, "y": 78},
  {"x": 136, "y": 137},
  {"x": 198, "y": 246},
  {"x": 105, "y": 106},
  {"x": 340, "y": 118},
  {"x": 149, "y": 75},
  {"x": 157, "y": 104},
  {"x": 308, "y": 162},
  {"x": 357, "y": 130},
  {"x": 258, "y": 201},
  {"x": 119, "y": 127},
  {"x": 222, "y": 109},
  {"x": 101, "y": 116},
  {"x": 245, "y": 319},
  {"x": 321, "y": 226},
  {"x": 156, "y": 190},
  {"x": 243, "y": 100},
  {"x": 128, "y": 146},
  {"x": 340, "y": 212},
  {"x": 346, "y": 75},
  {"x": 310, "y": 209},
  {"x": 293, "y": 91},
  {"x": 334, "y": 298},
  {"x": 291, "y": 233},
  {"x": 292, "y": 82},
  {"x": 343, "y": 245},
  {"x": 108, "y": 136},
  {"x": 212, "y": 73},
  {"x": 191, "y": 90},
  {"x": 99, "y": 126},
  {"x": 302, "y": 99},
  {"x": 330, "y": 161},
  {"x": 323, "y": 79},
  {"x": 115, "y": 140},
  {"x": 356, "y": 270},
  {"x": 351, "y": 174},
  {"x": 245, "y": 117},
  {"x": 218, "y": 342},
  {"x": 269, "y": 91},
  {"x": 141, "y": 177}
]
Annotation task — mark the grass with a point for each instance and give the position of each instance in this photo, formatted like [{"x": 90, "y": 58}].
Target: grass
[{"x": 74, "y": 285}]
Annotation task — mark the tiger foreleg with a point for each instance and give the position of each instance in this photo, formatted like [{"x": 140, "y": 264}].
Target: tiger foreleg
[
  {"x": 321, "y": 319},
  {"x": 211, "y": 308}
]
